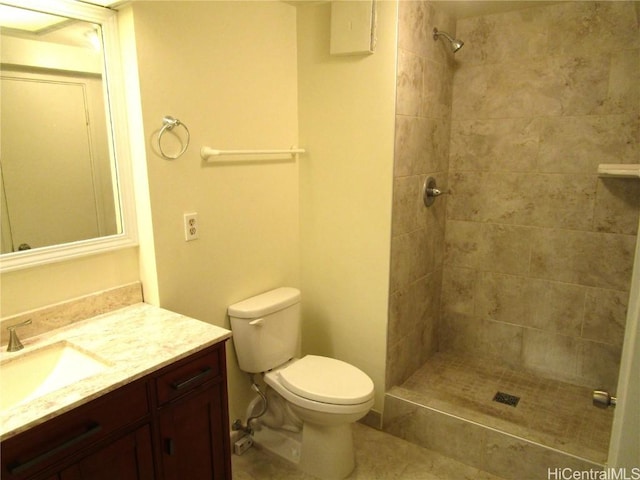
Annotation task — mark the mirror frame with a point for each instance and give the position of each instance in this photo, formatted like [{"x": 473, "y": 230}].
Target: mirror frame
[{"x": 117, "y": 127}]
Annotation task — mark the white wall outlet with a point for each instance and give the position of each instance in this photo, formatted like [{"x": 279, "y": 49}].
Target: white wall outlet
[
  {"x": 191, "y": 227},
  {"x": 242, "y": 445}
]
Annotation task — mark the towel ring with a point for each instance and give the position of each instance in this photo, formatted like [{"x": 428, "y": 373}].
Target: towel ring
[{"x": 168, "y": 123}]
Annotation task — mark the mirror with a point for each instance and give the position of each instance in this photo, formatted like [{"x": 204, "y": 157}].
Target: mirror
[{"x": 64, "y": 165}]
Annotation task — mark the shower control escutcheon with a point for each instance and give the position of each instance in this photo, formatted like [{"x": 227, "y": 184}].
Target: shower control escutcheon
[
  {"x": 602, "y": 399},
  {"x": 430, "y": 191}
]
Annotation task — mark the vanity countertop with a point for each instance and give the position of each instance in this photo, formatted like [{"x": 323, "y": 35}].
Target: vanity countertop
[{"x": 134, "y": 341}]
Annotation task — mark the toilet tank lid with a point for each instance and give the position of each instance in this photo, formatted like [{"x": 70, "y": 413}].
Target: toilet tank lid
[{"x": 265, "y": 303}]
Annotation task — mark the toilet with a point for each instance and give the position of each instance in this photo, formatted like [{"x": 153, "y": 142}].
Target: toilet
[{"x": 323, "y": 395}]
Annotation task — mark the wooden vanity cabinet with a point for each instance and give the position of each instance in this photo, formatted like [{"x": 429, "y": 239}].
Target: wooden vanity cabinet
[
  {"x": 56, "y": 445},
  {"x": 172, "y": 424},
  {"x": 129, "y": 457},
  {"x": 193, "y": 420}
]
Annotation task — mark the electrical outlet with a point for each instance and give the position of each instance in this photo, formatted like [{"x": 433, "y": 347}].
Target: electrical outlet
[
  {"x": 242, "y": 445},
  {"x": 191, "y": 227}
]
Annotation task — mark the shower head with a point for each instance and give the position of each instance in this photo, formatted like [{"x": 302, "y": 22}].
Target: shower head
[{"x": 455, "y": 43}]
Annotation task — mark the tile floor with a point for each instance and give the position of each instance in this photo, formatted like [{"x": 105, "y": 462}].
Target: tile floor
[{"x": 379, "y": 456}]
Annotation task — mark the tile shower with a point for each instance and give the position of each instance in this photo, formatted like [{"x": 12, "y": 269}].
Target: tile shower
[{"x": 518, "y": 277}]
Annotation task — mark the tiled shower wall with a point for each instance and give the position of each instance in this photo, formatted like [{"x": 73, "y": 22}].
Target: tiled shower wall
[
  {"x": 423, "y": 116},
  {"x": 539, "y": 249}
]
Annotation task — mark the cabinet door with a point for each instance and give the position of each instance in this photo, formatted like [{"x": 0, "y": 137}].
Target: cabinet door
[
  {"x": 193, "y": 435},
  {"x": 50, "y": 445},
  {"x": 127, "y": 458}
]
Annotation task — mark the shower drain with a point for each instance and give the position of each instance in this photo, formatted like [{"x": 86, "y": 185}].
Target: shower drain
[{"x": 506, "y": 398}]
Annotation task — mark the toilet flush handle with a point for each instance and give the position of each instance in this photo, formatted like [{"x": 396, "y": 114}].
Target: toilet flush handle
[{"x": 257, "y": 322}]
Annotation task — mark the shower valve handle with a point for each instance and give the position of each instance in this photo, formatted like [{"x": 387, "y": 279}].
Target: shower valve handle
[{"x": 430, "y": 191}]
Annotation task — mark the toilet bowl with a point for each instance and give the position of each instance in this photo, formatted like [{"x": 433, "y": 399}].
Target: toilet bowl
[
  {"x": 326, "y": 394},
  {"x": 323, "y": 385}
]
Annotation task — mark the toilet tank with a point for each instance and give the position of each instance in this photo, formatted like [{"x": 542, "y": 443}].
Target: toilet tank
[{"x": 266, "y": 329}]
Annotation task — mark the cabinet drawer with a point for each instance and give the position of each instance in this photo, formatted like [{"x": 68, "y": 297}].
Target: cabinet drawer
[
  {"x": 43, "y": 445},
  {"x": 183, "y": 377}
]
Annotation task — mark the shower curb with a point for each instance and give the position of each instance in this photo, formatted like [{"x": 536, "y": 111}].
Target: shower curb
[{"x": 484, "y": 447}]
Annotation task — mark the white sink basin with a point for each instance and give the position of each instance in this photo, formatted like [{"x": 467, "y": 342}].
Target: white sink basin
[{"x": 33, "y": 374}]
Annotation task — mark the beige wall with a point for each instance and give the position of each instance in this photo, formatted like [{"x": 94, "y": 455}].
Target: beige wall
[
  {"x": 228, "y": 71},
  {"x": 539, "y": 250},
  {"x": 346, "y": 123},
  {"x": 423, "y": 118},
  {"x": 32, "y": 288},
  {"x": 253, "y": 236}
]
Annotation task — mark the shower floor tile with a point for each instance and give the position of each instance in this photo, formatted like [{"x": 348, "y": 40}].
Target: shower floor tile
[{"x": 550, "y": 412}]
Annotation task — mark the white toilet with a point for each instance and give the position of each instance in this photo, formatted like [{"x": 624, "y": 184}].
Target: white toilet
[{"x": 324, "y": 394}]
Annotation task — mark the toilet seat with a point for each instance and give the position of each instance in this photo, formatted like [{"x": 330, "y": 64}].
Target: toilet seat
[
  {"x": 323, "y": 384},
  {"x": 327, "y": 380}
]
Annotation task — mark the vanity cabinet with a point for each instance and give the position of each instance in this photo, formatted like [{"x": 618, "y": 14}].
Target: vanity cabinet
[
  {"x": 190, "y": 446},
  {"x": 192, "y": 410},
  {"x": 172, "y": 424},
  {"x": 62, "y": 442},
  {"x": 129, "y": 457}
]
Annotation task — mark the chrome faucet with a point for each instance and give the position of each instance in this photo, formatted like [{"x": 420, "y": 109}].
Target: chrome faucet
[{"x": 14, "y": 342}]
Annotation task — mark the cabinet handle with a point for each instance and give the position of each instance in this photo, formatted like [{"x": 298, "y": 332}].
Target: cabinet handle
[
  {"x": 18, "y": 467},
  {"x": 170, "y": 449},
  {"x": 180, "y": 384}
]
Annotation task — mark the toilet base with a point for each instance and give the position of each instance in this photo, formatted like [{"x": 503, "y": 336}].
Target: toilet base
[
  {"x": 327, "y": 451},
  {"x": 284, "y": 444},
  {"x": 324, "y": 452}
]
